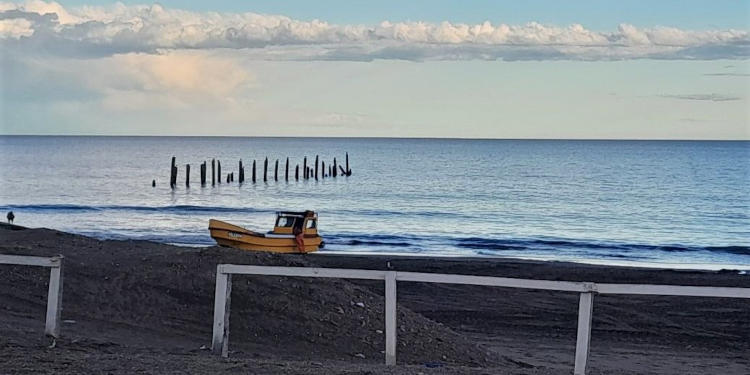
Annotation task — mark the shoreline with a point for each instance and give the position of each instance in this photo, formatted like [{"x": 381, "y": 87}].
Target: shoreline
[
  {"x": 590, "y": 262},
  {"x": 716, "y": 267}
]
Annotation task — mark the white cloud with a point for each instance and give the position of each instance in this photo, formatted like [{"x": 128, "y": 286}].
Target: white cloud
[
  {"x": 713, "y": 97},
  {"x": 169, "y": 80},
  {"x": 15, "y": 28},
  {"x": 333, "y": 119},
  {"x": 139, "y": 28},
  {"x": 42, "y": 7},
  {"x": 175, "y": 79},
  {"x": 180, "y": 72}
]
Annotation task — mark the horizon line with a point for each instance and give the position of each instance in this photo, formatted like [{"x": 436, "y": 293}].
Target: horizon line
[{"x": 382, "y": 137}]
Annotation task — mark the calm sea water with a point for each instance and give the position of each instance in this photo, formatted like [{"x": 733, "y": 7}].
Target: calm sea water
[{"x": 672, "y": 204}]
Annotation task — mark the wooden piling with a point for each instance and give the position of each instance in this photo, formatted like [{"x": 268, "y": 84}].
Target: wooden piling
[
  {"x": 265, "y": 170},
  {"x": 242, "y": 172},
  {"x": 153, "y": 183},
  {"x": 173, "y": 174},
  {"x": 203, "y": 173},
  {"x": 304, "y": 168},
  {"x": 318, "y": 171}
]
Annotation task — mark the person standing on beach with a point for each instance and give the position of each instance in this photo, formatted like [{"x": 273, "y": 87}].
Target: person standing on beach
[
  {"x": 299, "y": 231},
  {"x": 299, "y": 235},
  {"x": 10, "y": 217}
]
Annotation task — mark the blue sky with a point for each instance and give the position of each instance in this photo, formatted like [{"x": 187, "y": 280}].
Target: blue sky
[{"x": 479, "y": 69}]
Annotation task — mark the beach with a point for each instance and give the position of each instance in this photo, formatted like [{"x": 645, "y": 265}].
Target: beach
[{"x": 146, "y": 307}]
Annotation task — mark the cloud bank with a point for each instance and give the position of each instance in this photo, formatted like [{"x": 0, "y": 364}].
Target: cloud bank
[
  {"x": 101, "y": 31},
  {"x": 146, "y": 69},
  {"x": 705, "y": 97}
]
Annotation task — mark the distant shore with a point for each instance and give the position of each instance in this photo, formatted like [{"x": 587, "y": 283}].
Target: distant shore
[{"x": 138, "y": 305}]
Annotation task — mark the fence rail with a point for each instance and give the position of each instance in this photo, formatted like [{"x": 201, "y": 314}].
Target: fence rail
[
  {"x": 224, "y": 272},
  {"x": 55, "y": 291}
]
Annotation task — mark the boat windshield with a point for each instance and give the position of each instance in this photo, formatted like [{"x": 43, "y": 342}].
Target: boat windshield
[{"x": 285, "y": 221}]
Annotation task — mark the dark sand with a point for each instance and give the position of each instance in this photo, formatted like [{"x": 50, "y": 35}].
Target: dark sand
[{"x": 142, "y": 307}]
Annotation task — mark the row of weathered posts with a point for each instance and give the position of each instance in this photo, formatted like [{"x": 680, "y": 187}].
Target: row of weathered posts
[{"x": 308, "y": 172}]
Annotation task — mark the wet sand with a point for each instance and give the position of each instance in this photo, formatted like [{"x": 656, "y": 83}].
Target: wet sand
[{"x": 137, "y": 306}]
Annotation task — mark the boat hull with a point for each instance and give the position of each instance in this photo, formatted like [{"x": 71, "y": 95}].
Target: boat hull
[{"x": 226, "y": 234}]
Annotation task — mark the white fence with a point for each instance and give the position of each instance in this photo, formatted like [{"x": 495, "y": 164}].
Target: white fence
[
  {"x": 54, "y": 293},
  {"x": 224, "y": 272}
]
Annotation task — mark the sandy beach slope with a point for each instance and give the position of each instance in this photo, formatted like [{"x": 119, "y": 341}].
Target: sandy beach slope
[{"x": 143, "y": 307}]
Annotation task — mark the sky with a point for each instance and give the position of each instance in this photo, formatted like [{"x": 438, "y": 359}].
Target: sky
[{"x": 473, "y": 69}]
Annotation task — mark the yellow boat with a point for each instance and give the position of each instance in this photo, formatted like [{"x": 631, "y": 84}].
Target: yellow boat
[{"x": 280, "y": 240}]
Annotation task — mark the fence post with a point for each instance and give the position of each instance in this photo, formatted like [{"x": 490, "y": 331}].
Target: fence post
[
  {"x": 390, "y": 318},
  {"x": 54, "y": 299},
  {"x": 222, "y": 303},
  {"x": 585, "y": 310}
]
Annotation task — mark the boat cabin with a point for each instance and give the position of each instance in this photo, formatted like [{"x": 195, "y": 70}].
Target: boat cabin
[{"x": 286, "y": 221}]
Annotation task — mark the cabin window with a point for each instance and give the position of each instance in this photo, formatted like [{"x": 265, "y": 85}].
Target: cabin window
[
  {"x": 311, "y": 224},
  {"x": 286, "y": 222}
]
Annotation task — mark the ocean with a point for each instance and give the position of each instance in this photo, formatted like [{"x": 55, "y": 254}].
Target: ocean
[{"x": 673, "y": 204}]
